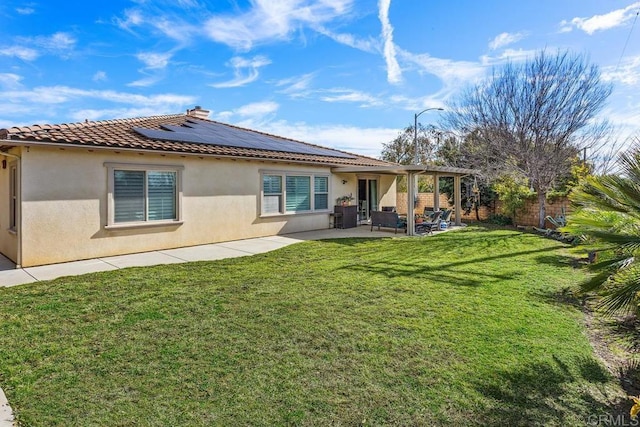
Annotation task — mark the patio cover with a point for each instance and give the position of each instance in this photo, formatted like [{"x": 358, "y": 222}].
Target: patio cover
[{"x": 411, "y": 171}]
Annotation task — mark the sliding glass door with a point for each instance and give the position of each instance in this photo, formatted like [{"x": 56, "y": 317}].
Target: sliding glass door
[{"x": 367, "y": 197}]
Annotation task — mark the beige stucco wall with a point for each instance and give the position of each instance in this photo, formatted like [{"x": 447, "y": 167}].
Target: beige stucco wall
[
  {"x": 64, "y": 204},
  {"x": 387, "y": 190},
  {"x": 8, "y": 238}
]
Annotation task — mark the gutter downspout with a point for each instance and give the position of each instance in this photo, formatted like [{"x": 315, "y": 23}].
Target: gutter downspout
[{"x": 18, "y": 208}]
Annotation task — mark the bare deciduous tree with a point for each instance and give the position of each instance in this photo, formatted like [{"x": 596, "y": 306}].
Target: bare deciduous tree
[{"x": 533, "y": 118}]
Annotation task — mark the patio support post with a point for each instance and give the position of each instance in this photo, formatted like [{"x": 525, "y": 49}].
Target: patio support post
[
  {"x": 436, "y": 192},
  {"x": 457, "y": 199},
  {"x": 410, "y": 197}
]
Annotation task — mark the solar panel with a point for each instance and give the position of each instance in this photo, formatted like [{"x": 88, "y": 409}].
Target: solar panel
[{"x": 228, "y": 136}]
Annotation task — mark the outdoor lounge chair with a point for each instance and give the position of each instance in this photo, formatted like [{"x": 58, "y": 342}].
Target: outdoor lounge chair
[
  {"x": 427, "y": 214},
  {"x": 446, "y": 217},
  {"x": 430, "y": 226}
]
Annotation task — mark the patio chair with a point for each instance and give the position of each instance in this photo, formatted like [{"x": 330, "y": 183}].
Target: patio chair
[
  {"x": 446, "y": 217},
  {"x": 427, "y": 214},
  {"x": 431, "y": 225}
]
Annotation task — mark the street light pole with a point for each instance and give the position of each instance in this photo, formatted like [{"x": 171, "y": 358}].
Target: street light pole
[
  {"x": 415, "y": 132},
  {"x": 415, "y": 147}
]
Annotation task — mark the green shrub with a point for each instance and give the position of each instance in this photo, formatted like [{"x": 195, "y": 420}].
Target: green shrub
[{"x": 499, "y": 219}]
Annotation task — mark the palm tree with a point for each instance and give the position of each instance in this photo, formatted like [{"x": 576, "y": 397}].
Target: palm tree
[{"x": 606, "y": 212}]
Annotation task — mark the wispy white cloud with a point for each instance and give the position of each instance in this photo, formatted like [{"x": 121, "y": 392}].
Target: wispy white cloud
[
  {"x": 160, "y": 18},
  {"x": 174, "y": 28},
  {"x": 153, "y": 71},
  {"x": 58, "y": 42},
  {"x": 245, "y": 71},
  {"x": 100, "y": 76},
  {"x": 147, "y": 81},
  {"x": 417, "y": 103},
  {"x": 62, "y": 94},
  {"x": 296, "y": 87},
  {"x": 602, "y": 22},
  {"x": 505, "y": 39},
  {"x": 30, "y": 48},
  {"x": 132, "y": 18},
  {"x": 624, "y": 119},
  {"x": 628, "y": 72},
  {"x": 270, "y": 20},
  {"x": 25, "y": 10},
  {"x": 21, "y": 52},
  {"x": 258, "y": 109},
  {"x": 394, "y": 74},
  {"x": 188, "y": 3},
  {"x": 350, "y": 95},
  {"x": 449, "y": 71},
  {"x": 369, "y": 45},
  {"x": 153, "y": 60},
  {"x": 366, "y": 141},
  {"x": 10, "y": 80},
  {"x": 249, "y": 114},
  {"x": 515, "y": 55}
]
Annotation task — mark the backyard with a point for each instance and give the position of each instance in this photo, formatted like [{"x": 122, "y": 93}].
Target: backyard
[{"x": 472, "y": 327}]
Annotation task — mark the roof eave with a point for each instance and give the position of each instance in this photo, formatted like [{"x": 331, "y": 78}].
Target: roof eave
[
  {"x": 10, "y": 143},
  {"x": 407, "y": 169}
]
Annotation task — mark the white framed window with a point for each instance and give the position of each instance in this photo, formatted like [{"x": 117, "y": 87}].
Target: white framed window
[
  {"x": 13, "y": 197},
  {"x": 298, "y": 193},
  {"x": 294, "y": 192},
  {"x": 321, "y": 192},
  {"x": 272, "y": 194},
  {"x": 143, "y": 194}
]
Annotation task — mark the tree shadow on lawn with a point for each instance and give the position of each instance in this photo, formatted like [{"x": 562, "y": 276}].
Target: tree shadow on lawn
[
  {"x": 549, "y": 392},
  {"x": 485, "y": 235},
  {"x": 458, "y": 277},
  {"x": 449, "y": 272},
  {"x": 559, "y": 260}
]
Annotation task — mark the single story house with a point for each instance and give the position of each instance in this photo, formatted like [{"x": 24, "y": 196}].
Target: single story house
[{"x": 95, "y": 189}]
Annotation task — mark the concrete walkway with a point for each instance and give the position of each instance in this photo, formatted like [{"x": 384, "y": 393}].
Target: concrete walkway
[{"x": 10, "y": 276}]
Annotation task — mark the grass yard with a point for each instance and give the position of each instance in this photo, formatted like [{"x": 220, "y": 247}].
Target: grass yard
[{"x": 464, "y": 328}]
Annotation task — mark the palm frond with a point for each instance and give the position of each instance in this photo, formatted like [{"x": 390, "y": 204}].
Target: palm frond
[
  {"x": 623, "y": 293},
  {"x": 605, "y": 269},
  {"x": 606, "y": 209}
]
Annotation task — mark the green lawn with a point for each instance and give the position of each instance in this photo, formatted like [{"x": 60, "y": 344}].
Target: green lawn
[{"x": 469, "y": 327}]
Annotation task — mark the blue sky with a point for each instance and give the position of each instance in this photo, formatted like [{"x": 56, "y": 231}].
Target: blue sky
[{"x": 348, "y": 74}]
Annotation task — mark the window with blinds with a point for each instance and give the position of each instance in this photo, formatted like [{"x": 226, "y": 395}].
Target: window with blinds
[
  {"x": 321, "y": 192},
  {"x": 128, "y": 196},
  {"x": 298, "y": 196},
  {"x": 161, "y": 194},
  {"x": 272, "y": 194},
  {"x": 144, "y": 195},
  {"x": 287, "y": 193}
]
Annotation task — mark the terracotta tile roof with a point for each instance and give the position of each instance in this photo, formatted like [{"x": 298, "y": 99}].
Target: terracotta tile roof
[{"x": 119, "y": 133}]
